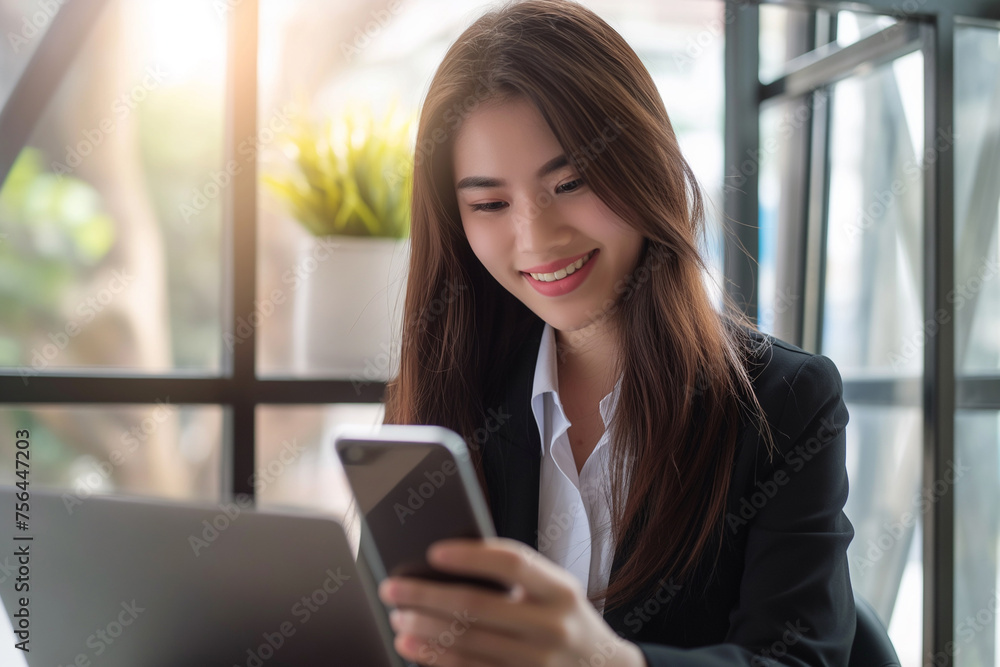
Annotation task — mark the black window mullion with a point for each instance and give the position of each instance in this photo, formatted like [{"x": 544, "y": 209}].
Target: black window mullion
[
  {"x": 924, "y": 9},
  {"x": 742, "y": 154},
  {"x": 813, "y": 294},
  {"x": 795, "y": 170},
  {"x": 939, "y": 350},
  {"x": 237, "y": 389},
  {"x": 140, "y": 389},
  {"x": 813, "y": 269},
  {"x": 832, "y": 63},
  {"x": 240, "y": 264}
]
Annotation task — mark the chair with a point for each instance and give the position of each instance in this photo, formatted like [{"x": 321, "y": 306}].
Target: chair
[{"x": 872, "y": 646}]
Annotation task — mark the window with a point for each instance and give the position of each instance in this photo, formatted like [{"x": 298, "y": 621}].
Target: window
[
  {"x": 163, "y": 332},
  {"x": 877, "y": 190},
  {"x": 224, "y": 347}
]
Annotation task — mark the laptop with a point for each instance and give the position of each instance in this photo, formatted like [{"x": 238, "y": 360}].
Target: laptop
[{"x": 129, "y": 582}]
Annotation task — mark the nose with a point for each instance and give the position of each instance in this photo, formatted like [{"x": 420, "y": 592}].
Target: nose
[{"x": 539, "y": 228}]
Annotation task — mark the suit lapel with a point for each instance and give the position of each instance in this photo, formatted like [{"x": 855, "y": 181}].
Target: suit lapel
[
  {"x": 512, "y": 456},
  {"x": 512, "y": 459}
]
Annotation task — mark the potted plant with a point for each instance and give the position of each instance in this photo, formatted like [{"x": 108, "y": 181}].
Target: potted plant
[{"x": 350, "y": 188}]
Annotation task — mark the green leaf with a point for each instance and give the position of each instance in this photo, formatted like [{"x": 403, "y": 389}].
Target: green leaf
[{"x": 338, "y": 180}]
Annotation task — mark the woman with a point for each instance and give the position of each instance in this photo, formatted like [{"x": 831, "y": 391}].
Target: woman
[{"x": 681, "y": 474}]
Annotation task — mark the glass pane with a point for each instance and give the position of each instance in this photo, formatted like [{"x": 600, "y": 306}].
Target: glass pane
[
  {"x": 296, "y": 464},
  {"x": 977, "y": 199},
  {"x": 22, "y": 24},
  {"x": 773, "y": 163},
  {"x": 781, "y": 38},
  {"x": 854, "y": 26},
  {"x": 782, "y": 124},
  {"x": 886, "y": 508},
  {"x": 340, "y": 317},
  {"x": 977, "y": 538},
  {"x": 162, "y": 449},
  {"x": 874, "y": 280},
  {"x": 110, "y": 220}
]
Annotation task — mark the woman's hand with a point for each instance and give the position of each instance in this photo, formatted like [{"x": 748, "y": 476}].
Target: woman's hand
[{"x": 546, "y": 620}]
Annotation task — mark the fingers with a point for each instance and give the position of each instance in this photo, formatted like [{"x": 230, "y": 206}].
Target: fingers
[
  {"x": 456, "y": 641},
  {"x": 509, "y": 562},
  {"x": 501, "y": 613}
]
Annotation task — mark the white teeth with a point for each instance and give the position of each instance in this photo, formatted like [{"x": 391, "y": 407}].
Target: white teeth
[{"x": 562, "y": 273}]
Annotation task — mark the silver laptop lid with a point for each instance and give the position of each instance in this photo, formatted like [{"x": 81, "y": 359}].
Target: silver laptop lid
[{"x": 123, "y": 582}]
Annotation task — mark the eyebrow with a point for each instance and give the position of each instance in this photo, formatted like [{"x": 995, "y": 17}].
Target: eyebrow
[{"x": 487, "y": 182}]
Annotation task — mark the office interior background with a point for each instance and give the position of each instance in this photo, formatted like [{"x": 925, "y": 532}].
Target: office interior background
[{"x": 170, "y": 326}]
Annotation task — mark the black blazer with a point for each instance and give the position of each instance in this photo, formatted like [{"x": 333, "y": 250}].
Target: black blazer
[{"x": 781, "y": 592}]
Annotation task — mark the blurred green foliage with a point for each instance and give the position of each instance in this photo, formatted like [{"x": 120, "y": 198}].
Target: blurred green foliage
[
  {"x": 352, "y": 175},
  {"x": 54, "y": 232},
  {"x": 182, "y": 140}
]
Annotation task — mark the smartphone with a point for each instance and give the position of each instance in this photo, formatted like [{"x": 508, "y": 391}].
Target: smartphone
[{"x": 414, "y": 485}]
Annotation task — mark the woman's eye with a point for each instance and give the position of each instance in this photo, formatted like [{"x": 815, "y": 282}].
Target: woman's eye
[
  {"x": 498, "y": 205},
  {"x": 565, "y": 187},
  {"x": 488, "y": 206}
]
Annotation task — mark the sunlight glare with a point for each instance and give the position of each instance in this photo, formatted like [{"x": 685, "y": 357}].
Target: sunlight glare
[{"x": 188, "y": 37}]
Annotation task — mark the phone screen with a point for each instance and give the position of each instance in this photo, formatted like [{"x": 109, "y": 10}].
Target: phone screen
[{"x": 411, "y": 496}]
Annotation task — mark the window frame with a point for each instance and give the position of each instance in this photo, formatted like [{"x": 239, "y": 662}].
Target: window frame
[
  {"x": 239, "y": 390},
  {"x": 938, "y": 392}
]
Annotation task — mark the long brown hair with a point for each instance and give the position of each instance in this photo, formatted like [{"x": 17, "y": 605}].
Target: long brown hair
[{"x": 673, "y": 433}]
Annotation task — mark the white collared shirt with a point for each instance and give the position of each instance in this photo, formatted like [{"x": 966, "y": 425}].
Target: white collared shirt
[{"x": 574, "y": 525}]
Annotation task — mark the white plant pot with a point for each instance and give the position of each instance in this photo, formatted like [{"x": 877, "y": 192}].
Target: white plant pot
[{"x": 348, "y": 307}]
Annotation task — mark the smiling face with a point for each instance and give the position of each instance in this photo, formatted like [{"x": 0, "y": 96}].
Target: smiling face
[{"x": 526, "y": 210}]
